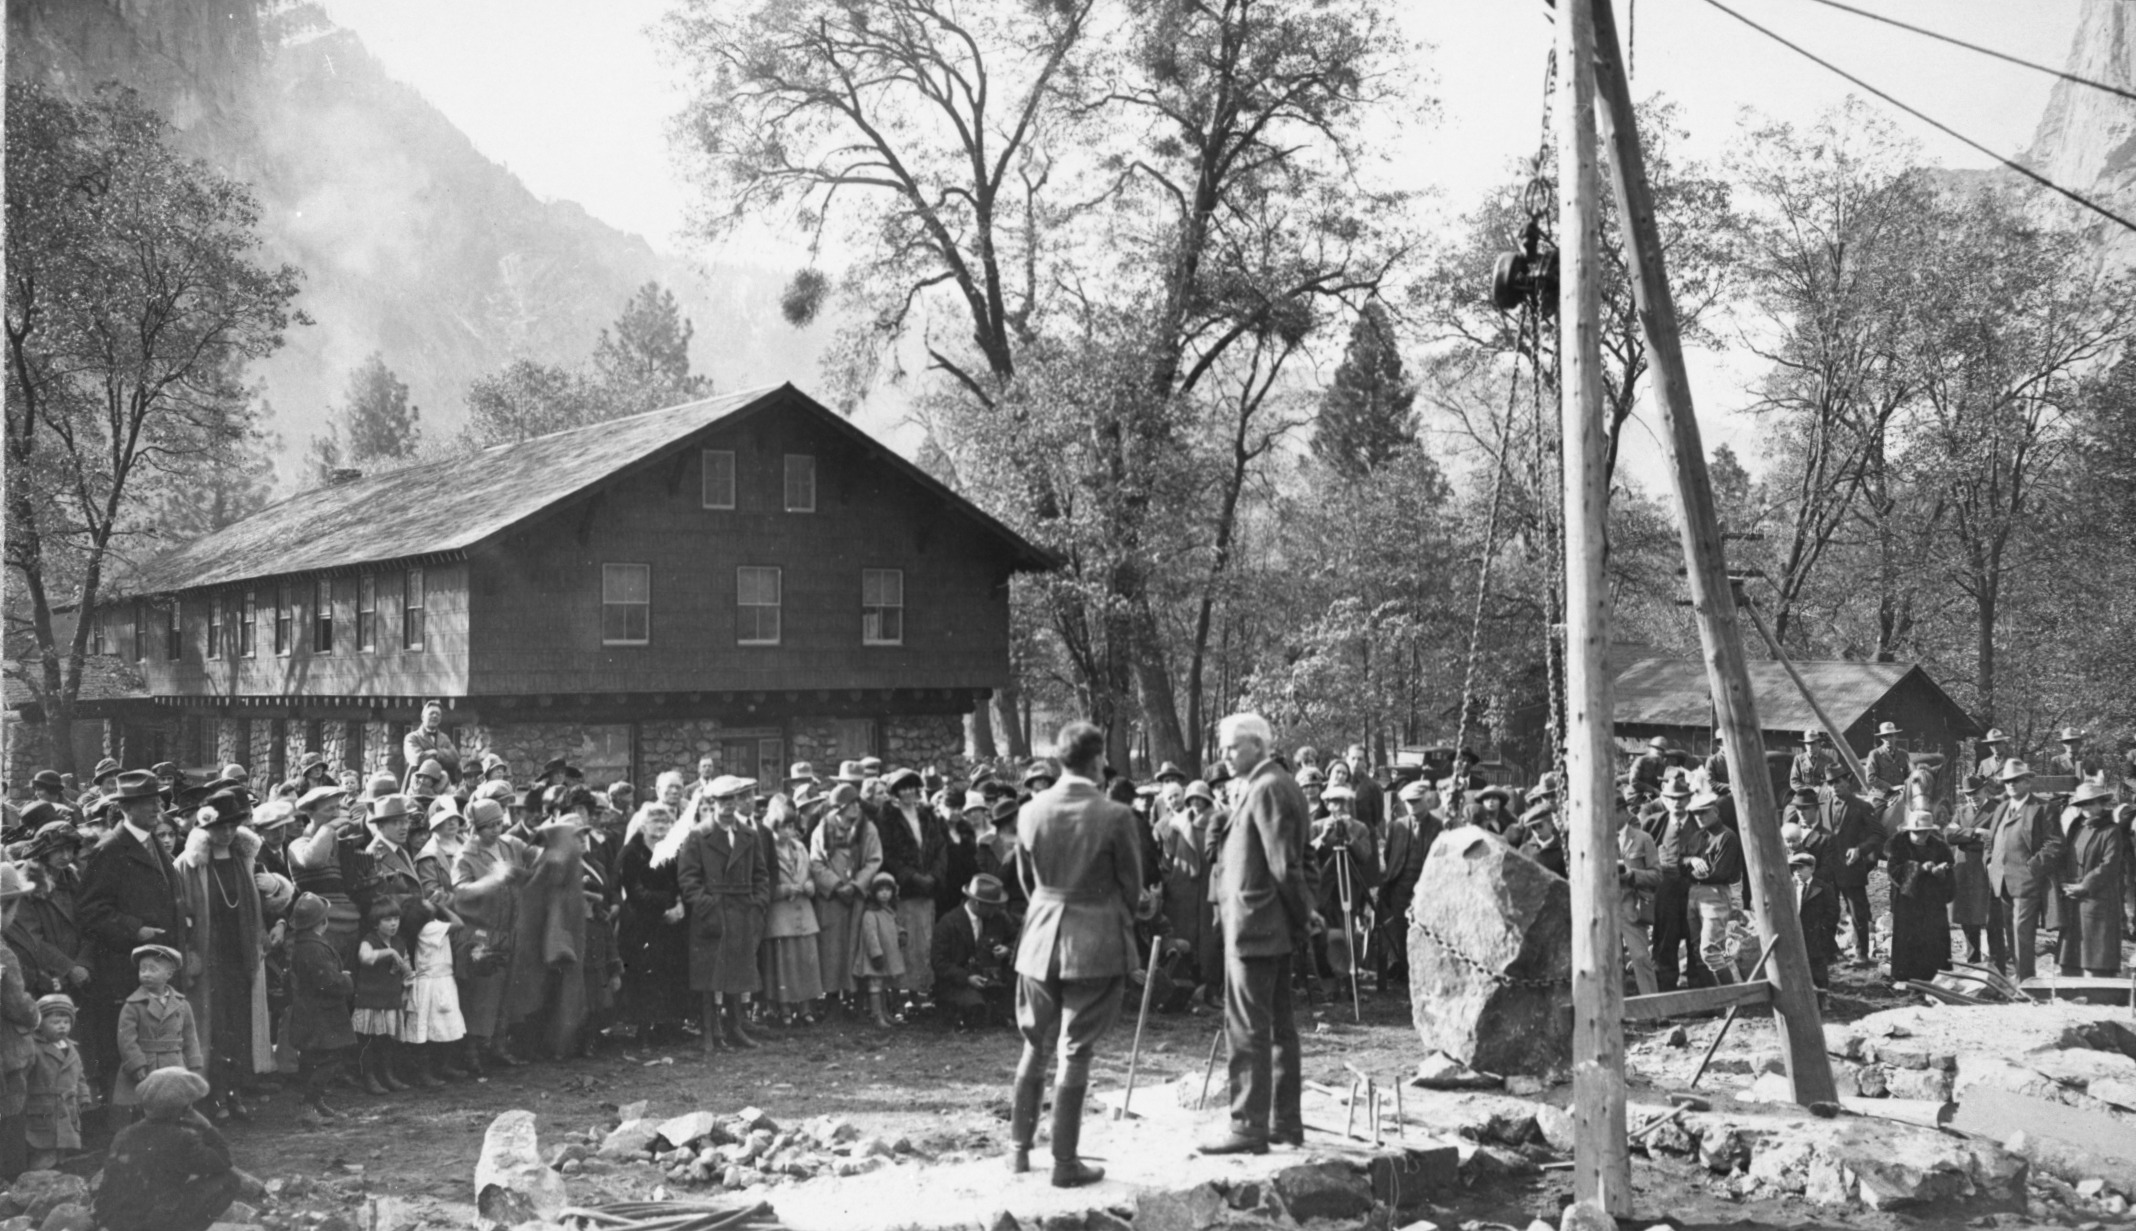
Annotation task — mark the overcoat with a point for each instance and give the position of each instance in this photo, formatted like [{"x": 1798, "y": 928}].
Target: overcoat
[
  {"x": 392, "y": 872},
  {"x": 319, "y": 1000},
  {"x": 127, "y": 886},
  {"x": 18, "y": 1025},
  {"x": 2091, "y": 914},
  {"x": 959, "y": 953},
  {"x": 1854, "y": 828},
  {"x": 549, "y": 950},
  {"x": 919, "y": 866},
  {"x": 52, "y": 1114},
  {"x": 193, "y": 876},
  {"x": 793, "y": 904},
  {"x": 1260, "y": 872},
  {"x": 154, "y": 1032},
  {"x": 486, "y": 881},
  {"x": 1920, "y": 926},
  {"x": 842, "y": 869},
  {"x": 1085, "y": 861},
  {"x": 723, "y": 878},
  {"x": 656, "y": 953},
  {"x": 46, "y": 937},
  {"x": 2024, "y": 849},
  {"x": 1972, "y": 898}
]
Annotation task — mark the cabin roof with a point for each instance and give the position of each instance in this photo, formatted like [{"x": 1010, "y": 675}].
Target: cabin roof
[
  {"x": 1672, "y": 692},
  {"x": 454, "y": 504}
]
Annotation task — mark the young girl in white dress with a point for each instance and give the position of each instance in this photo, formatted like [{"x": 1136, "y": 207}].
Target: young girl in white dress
[{"x": 430, "y": 1018}]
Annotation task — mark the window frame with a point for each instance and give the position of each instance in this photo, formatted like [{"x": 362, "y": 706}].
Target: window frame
[
  {"x": 248, "y": 626},
  {"x": 871, "y": 611},
  {"x": 615, "y": 568},
  {"x": 415, "y": 611},
  {"x": 704, "y": 479},
  {"x": 367, "y": 614},
  {"x": 776, "y": 605},
  {"x": 322, "y": 622},
  {"x": 174, "y": 631},
  {"x": 140, "y": 631},
  {"x": 786, "y": 486},
  {"x": 215, "y": 639},
  {"x": 285, "y": 621}
]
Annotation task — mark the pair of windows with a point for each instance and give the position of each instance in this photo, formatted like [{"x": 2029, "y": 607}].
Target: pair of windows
[
  {"x": 379, "y": 623},
  {"x": 233, "y": 627},
  {"x": 799, "y": 491},
  {"x": 627, "y": 605},
  {"x": 233, "y": 619}
]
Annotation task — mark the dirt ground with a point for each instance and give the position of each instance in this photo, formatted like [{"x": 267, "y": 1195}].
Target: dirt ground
[{"x": 944, "y": 1089}]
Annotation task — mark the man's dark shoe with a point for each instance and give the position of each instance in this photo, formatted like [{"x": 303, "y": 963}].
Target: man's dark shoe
[
  {"x": 1232, "y": 1141},
  {"x": 1292, "y": 1136}
]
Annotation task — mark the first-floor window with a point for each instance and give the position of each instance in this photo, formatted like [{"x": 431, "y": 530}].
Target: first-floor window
[
  {"x": 756, "y": 612},
  {"x": 626, "y": 604},
  {"x": 882, "y": 606}
]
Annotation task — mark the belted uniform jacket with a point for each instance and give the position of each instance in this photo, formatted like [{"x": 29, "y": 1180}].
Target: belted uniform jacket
[{"x": 1085, "y": 863}]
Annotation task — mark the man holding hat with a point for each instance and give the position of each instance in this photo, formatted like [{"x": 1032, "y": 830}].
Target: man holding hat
[
  {"x": 2024, "y": 858},
  {"x": 129, "y": 897},
  {"x": 971, "y": 954},
  {"x": 1858, "y": 842}
]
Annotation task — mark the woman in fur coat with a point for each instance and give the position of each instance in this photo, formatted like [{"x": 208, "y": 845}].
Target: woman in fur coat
[{"x": 225, "y": 976}]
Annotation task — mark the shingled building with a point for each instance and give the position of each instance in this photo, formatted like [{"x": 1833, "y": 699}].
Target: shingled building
[{"x": 749, "y": 577}]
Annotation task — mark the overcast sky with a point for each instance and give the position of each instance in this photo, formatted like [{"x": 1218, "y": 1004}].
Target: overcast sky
[{"x": 573, "y": 95}]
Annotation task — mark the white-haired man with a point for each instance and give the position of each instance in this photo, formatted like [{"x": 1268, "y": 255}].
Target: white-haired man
[{"x": 1262, "y": 904}]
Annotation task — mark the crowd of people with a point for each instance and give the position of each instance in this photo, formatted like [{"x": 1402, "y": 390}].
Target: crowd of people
[{"x": 415, "y": 930}]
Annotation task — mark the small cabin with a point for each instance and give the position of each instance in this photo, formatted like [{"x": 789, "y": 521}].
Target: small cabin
[{"x": 749, "y": 578}]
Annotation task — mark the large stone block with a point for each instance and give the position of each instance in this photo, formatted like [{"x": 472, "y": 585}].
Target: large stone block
[
  {"x": 512, "y": 1184},
  {"x": 1490, "y": 952}
]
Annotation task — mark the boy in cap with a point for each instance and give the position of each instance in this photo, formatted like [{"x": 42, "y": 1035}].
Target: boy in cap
[
  {"x": 156, "y": 1027},
  {"x": 55, "y": 1085},
  {"x": 171, "y": 1171},
  {"x": 320, "y": 991}
]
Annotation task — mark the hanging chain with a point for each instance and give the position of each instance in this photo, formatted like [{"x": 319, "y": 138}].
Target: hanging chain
[
  {"x": 1490, "y": 534},
  {"x": 1502, "y": 979}
]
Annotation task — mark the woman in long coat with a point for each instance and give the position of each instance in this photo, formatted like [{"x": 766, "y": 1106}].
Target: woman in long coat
[
  {"x": 486, "y": 876},
  {"x": 2090, "y": 884},
  {"x": 547, "y": 991},
  {"x": 1920, "y": 870},
  {"x": 1972, "y": 898},
  {"x": 844, "y": 855},
  {"x": 916, "y": 852},
  {"x": 653, "y": 932},
  {"x": 724, "y": 880},
  {"x": 227, "y": 978}
]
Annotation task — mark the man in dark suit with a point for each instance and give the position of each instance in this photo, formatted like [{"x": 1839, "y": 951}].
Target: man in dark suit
[
  {"x": 2024, "y": 848},
  {"x": 971, "y": 952},
  {"x": 1262, "y": 903},
  {"x": 1085, "y": 862},
  {"x": 1858, "y": 839},
  {"x": 129, "y": 897}
]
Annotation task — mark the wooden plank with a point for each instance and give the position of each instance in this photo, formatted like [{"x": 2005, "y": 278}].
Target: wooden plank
[
  {"x": 1602, "y": 1166},
  {"x": 1695, "y": 1000},
  {"x": 1712, "y": 597}
]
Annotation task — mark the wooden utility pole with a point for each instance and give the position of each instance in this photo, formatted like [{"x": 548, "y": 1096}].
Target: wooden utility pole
[
  {"x": 1839, "y": 737},
  {"x": 1602, "y": 1164},
  {"x": 1712, "y": 596}
]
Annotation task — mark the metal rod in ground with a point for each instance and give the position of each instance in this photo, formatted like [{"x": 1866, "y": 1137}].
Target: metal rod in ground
[
  {"x": 1401, "y": 1122},
  {"x": 1349, "y": 1113},
  {"x": 1209, "y": 1070},
  {"x": 1349, "y": 938},
  {"x": 1134, "y": 1055},
  {"x": 1728, "y": 1018}
]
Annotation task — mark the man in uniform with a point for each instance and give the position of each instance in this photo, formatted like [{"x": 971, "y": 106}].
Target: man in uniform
[
  {"x": 1888, "y": 765},
  {"x": 2072, "y": 761},
  {"x": 1649, "y": 766},
  {"x": 1991, "y": 761},
  {"x": 1808, "y": 769},
  {"x": 1858, "y": 839},
  {"x": 2024, "y": 850},
  {"x": 1261, "y": 900},
  {"x": 1084, "y": 859}
]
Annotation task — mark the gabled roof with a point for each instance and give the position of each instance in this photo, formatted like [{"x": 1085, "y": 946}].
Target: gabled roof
[
  {"x": 1672, "y": 692},
  {"x": 455, "y": 504}
]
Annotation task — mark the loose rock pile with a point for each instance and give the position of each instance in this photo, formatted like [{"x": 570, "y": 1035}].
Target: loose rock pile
[{"x": 744, "y": 1150}]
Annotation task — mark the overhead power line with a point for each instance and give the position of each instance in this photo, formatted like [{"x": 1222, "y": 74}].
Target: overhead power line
[
  {"x": 2005, "y": 56},
  {"x": 1931, "y": 121}
]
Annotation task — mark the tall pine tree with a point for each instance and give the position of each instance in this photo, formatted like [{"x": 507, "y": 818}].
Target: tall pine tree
[
  {"x": 643, "y": 363},
  {"x": 1365, "y": 415},
  {"x": 376, "y": 428}
]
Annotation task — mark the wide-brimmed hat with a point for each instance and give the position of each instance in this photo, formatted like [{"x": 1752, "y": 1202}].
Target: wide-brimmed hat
[
  {"x": 311, "y": 761},
  {"x": 1888, "y": 728},
  {"x": 1919, "y": 819},
  {"x": 1675, "y": 787},
  {"x": 39, "y": 813},
  {"x": 319, "y": 795},
  {"x": 902, "y": 779},
  {"x": 445, "y": 805},
  {"x": 307, "y": 912},
  {"x": 137, "y": 784},
  {"x": 1838, "y": 773},
  {"x": 1974, "y": 782},
  {"x": 1995, "y": 736},
  {"x": 1170, "y": 772},
  {"x": 1005, "y": 811},
  {"x": 849, "y": 771},
  {"x": 986, "y": 889},
  {"x": 391, "y": 808},
  {"x": 166, "y": 1093},
  {"x": 800, "y": 771},
  {"x": 871, "y": 766},
  {"x": 51, "y": 836},
  {"x": 49, "y": 779},
  {"x": 1815, "y": 735},
  {"x": 1659, "y": 743},
  {"x": 729, "y": 786},
  {"x": 230, "y": 806},
  {"x": 165, "y": 952},
  {"x": 2090, "y": 792},
  {"x": 1498, "y": 793},
  {"x": 106, "y": 768},
  {"x": 2014, "y": 769},
  {"x": 974, "y": 802},
  {"x": 1704, "y": 801}
]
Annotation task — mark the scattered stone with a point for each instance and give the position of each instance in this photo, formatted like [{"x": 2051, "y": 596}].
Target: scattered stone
[
  {"x": 2115, "y": 1204},
  {"x": 72, "y": 1217},
  {"x": 2091, "y": 1187},
  {"x": 1584, "y": 1216},
  {"x": 1403, "y": 1179},
  {"x": 688, "y": 1128},
  {"x": 512, "y": 1185},
  {"x": 1676, "y": 1037},
  {"x": 1769, "y": 1088},
  {"x": 1323, "y": 1190},
  {"x": 1555, "y": 1124},
  {"x": 569, "y": 1152},
  {"x": 1520, "y": 1085},
  {"x": 753, "y": 1118},
  {"x": 1513, "y": 1128},
  {"x": 1870, "y": 1081},
  {"x": 1438, "y": 1071},
  {"x": 828, "y": 1131},
  {"x": 1490, "y": 945},
  {"x": 633, "y": 1111},
  {"x": 35, "y": 1194},
  {"x": 871, "y": 1147},
  {"x": 1931, "y": 1083},
  {"x": 1489, "y": 1160},
  {"x": 1422, "y": 1224},
  {"x": 1902, "y": 1056},
  {"x": 629, "y": 1140},
  {"x": 2115, "y": 1091},
  {"x": 1004, "y": 1221},
  {"x": 1842, "y": 1041}
]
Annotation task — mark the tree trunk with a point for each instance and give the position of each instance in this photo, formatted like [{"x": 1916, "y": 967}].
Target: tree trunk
[
  {"x": 1160, "y": 706},
  {"x": 979, "y": 732},
  {"x": 1015, "y": 739},
  {"x": 1985, "y": 668}
]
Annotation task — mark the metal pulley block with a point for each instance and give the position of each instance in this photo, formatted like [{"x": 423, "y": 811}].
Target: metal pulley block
[{"x": 1521, "y": 274}]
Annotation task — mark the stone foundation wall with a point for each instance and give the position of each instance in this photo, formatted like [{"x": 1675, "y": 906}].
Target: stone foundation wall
[
  {"x": 601, "y": 749},
  {"x": 677, "y": 744},
  {"x": 261, "y": 758},
  {"x": 381, "y": 750},
  {"x": 925, "y": 740},
  {"x": 815, "y": 740},
  {"x": 229, "y": 742},
  {"x": 296, "y": 741},
  {"x": 29, "y": 749}
]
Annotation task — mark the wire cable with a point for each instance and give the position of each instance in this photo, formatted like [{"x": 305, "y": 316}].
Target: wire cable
[
  {"x": 2005, "y": 56},
  {"x": 1931, "y": 121}
]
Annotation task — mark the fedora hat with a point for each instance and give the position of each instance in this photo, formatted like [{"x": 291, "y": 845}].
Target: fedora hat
[
  {"x": 1676, "y": 787},
  {"x": 2014, "y": 769},
  {"x": 1170, "y": 772},
  {"x": 800, "y": 771},
  {"x": 1838, "y": 773},
  {"x": 391, "y": 808},
  {"x": 986, "y": 889},
  {"x": 1995, "y": 736},
  {"x": 319, "y": 795},
  {"x": 1005, "y": 811},
  {"x": 1814, "y": 735},
  {"x": 106, "y": 768},
  {"x": 2092, "y": 792},
  {"x": 1038, "y": 771},
  {"x": 871, "y": 766},
  {"x": 1888, "y": 728},
  {"x": 849, "y": 771},
  {"x": 2070, "y": 735}
]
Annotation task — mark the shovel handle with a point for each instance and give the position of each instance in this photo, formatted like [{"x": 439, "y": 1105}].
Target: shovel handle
[{"x": 1134, "y": 1055}]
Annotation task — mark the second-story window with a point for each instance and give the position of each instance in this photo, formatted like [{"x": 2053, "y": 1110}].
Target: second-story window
[
  {"x": 626, "y": 604},
  {"x": 284, "y": 620},
  {"x": 96, "y": 632},
  {"x": 800, "y": 483},
  {"x": 882, "y": 606},
  {"x": 323, "y": 618},
  {"x": 215, "y": 621},
  {"x": 367, "y": 613},
  {"x": 140, "y": 632},
  {"x": 719, "y": 478},
  {"x": 174, "y": 631},
  {"x": 412, "y": 611},
  {"x": 248, "y": 626},
  {"x": 756, "y": 611}
]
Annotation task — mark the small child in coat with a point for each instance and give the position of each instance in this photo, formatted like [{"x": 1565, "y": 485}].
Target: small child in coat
[
  {"x": 430, "y": 1013},
  {"x": 877, "y": 959},
  {"x": 319, "y": 990},
  {"x": 171, "y": 1171},
  {"x": 382, "y": 974},
  {"x": 52, "y": 1118},
  {"x": 156, "y": 1027}
]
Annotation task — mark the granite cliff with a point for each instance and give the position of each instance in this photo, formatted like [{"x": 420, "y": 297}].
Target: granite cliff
[{"x": 2087, "y": 138}]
